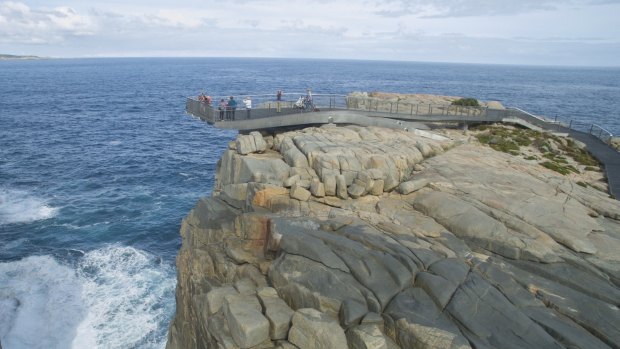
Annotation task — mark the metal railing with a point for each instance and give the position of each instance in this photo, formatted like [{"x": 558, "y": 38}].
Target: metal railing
[
  {"x": 412, "y": 109},
  {"x": 268, "y": 105},
  {"x": 263, "y": 106},
  {"x": 601, "y": 133}
]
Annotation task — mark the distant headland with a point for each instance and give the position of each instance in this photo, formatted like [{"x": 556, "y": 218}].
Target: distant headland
[{"x": 12, "y": 57}]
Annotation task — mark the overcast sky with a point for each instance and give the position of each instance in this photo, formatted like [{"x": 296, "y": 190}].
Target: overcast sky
[{"x": 548, "y": 32}]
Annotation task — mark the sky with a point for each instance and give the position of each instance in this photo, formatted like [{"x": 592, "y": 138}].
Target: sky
[{"x": 529, "y": 32}]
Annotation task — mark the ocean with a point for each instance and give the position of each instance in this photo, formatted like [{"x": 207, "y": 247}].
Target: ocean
[{"x": 99, "y": 164}]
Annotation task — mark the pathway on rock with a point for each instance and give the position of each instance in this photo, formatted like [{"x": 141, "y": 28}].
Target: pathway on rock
[{"x": 609, "y": 157}]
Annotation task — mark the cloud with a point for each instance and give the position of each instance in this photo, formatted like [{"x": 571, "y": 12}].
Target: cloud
[
  {"x": 473, "y": 8},
  {"x": 21, "y": 24},
  {"x": 300, "y": 26},
  {"x": 424, "y": 30},
  {"x": 394, "y": 13},
  {"x": 173, "y": 19}
]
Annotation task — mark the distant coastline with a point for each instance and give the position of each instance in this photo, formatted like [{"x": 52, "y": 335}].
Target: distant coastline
[{"x": 4, "y": 57}]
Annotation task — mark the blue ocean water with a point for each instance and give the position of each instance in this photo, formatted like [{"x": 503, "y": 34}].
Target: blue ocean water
[{"x": 99, "y": 164}]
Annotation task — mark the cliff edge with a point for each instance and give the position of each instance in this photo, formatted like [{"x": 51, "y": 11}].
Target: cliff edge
[{"x": 353, "y": 237}]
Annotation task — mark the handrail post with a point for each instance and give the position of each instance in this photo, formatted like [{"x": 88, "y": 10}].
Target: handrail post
[
  {"x": 570, "y": 124},
  {"x": 591, "y": 127},
  {"x": 391, "y": 106}
]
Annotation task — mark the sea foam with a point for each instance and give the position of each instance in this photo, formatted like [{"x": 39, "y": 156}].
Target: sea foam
[
  {"x": 18, "y": 206},
  {"x": 114, "y": 297},
  {"x": 41, "y": 303}
]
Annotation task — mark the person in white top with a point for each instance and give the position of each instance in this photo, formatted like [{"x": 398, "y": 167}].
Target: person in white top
[{"x": 248, "y": 105}]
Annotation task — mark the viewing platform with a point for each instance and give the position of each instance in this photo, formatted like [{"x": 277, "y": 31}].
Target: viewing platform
[
  {"x": 292, "y": 110},
  {"x": 267, "y": 112}
]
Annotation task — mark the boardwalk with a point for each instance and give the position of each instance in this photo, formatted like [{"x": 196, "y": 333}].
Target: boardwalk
[
  {"x": 271, "y": 114},
  {"x": 609, "y": 157}
]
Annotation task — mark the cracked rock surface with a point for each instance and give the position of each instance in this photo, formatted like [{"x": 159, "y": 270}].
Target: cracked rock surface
[{"x": 338, "y": 237}]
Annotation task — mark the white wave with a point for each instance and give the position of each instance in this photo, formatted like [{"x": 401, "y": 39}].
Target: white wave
[
  {"x": 115, "y": 297},
  {"x": 40, "y": 303},
  {"x": 18, "y": 206},
  {"x": 130, "y": 295},
  {"x": 115, "y": 142}
]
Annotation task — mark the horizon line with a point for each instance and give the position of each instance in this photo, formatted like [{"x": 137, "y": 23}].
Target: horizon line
[{"x": 35, "y": 57}]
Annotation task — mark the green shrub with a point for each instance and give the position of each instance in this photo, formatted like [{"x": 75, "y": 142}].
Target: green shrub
[
  {"x": 484, "y": 138},
  {"x": 583, "y": 184},
  {"x": 584, "y": 158},
  {"x": 556, "y": 167},
  {"x": 592, "y": 168},
  {"x": 467, "y": 102},
  {"x": 506, "y": 146},
  {"x": 523, "y": 140},
  {"x": 531, "y": 157}
]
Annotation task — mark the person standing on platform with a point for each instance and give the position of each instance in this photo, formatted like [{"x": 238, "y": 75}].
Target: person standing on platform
[
  {"x": 222, "y": 108},
  {"x": 232, "y": 106},
  {"x": 309, "y": 103},
  {"x": 278, "y": 101},
  {"x": 247, "y": 101}
]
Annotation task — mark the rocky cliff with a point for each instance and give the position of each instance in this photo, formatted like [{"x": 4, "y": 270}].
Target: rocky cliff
[{"x": 339, "y": 237}]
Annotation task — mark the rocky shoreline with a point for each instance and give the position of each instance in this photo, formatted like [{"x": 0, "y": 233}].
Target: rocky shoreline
[{"x": 364, "y": 237}]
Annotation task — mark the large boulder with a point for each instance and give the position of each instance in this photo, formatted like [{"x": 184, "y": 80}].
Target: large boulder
[
  {"x": 277, "y": 312},
  {"x": 245, "y": 320},
  {"x": 315, "y": 330},
  {"x": 416, "y": 322}
]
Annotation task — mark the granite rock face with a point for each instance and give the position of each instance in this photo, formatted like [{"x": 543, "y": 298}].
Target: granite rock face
[{"x": 339, "y": 237}]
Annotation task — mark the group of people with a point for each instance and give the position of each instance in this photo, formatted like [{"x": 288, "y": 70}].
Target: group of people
[
  {"x": 204, "y": 98},
  {"x": 228, "y": 108},
  {"x": 306, "y": 102}
]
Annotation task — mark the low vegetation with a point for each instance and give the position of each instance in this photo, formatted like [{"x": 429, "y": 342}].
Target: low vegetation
[
  {"x": 466, "y": 102},
  {"x": 562, "y": 155}
]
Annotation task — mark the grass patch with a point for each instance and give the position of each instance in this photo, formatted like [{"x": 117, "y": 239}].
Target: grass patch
[
  {"x": 522, "y": 140},
  {"x": 555, "y": 149},
  {"x": 484, "y": 138},
  {"x": 583, "y": 184},
  {"x": 556, "y": 167},
  {"x": 506, "y": 146},
  {"x": 584, "y": 158}
]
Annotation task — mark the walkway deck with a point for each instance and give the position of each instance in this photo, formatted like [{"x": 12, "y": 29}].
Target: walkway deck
[
  {"x": 270, "y": 114},
  {"x": 609, "y": 157}
]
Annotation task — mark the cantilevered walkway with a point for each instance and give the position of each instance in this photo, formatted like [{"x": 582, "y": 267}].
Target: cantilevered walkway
[{"x": 269, "y": 113}]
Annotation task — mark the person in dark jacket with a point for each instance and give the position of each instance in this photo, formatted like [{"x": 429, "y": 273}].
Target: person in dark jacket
[{"x": 232, "y": 106}]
